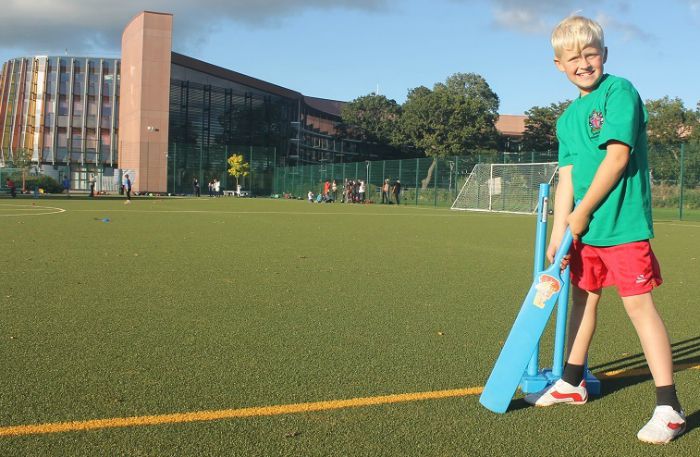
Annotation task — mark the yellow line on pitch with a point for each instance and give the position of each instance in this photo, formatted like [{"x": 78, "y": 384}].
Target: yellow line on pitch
[
  {"x": 629, "y": 372},
  {"x": 199, "y": 416}
]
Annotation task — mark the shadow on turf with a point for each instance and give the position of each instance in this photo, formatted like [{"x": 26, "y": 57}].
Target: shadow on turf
[
  {"x": 692, "y": 422},
  {"x": 686, "y": 354}
]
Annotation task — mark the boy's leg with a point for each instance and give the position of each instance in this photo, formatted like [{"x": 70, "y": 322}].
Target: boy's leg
[
  {"x": 570, "y": 388},
  {"x": 653, "y": 336},
  {"x": 668, "y": 420},
  {"x": 582, "y": 323}
]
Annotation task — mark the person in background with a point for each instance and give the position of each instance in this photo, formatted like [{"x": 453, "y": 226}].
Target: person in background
[
  {"x": 385, "y": 191},
  {"x": 326, "y": 189},
  {"x": 92, "y": 182},
  {"x": 195, "y": 187},
  {"x": 11, "y": 185},
  {"x": 334, "y": 189},
  {"x": 127, "y": 189},
  {"x": 66, "y": 185},
  {"x": 396, "y": 190}
]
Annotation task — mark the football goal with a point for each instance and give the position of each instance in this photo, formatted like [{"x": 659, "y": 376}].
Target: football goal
[{"x": 504, "y": 187}]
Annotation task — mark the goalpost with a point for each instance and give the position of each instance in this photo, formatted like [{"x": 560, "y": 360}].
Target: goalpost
[{"x": 504, "y": 187}]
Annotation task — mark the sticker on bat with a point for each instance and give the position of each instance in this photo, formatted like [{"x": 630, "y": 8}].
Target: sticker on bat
[{"x": 547, "y": 287}]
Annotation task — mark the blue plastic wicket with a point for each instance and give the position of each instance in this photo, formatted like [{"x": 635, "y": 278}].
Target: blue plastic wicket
[
  {"x": 535, "y": 379},
  {"x": 540, "y": 237}
]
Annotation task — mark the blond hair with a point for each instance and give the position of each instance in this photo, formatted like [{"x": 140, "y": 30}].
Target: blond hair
[{"x": 576, "y": 33}]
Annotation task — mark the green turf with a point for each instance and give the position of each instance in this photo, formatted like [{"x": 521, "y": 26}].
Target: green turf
[
  {"x": 674, "y": 214},
  {"x": 186, "y": 305}
]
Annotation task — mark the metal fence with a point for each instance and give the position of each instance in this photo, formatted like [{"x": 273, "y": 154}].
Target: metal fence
[
  {"x": 675, "y": 174},
  {"x": 675, "y": 171},
  {"x": 424, "y": 181}
]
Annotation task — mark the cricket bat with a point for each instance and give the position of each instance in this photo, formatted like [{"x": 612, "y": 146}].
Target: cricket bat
[{"x": 525, "y": 334}]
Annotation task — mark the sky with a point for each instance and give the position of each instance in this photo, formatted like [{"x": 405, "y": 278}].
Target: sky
[{"x": 344, "y": 49}]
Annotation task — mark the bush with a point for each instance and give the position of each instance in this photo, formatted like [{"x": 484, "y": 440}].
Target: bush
[
  {"x": 50, "y": 185},
  {"x": 668, "y": 196}
]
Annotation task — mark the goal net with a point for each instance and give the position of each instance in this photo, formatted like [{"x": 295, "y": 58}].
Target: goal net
[{"x": 504, "y": 187}]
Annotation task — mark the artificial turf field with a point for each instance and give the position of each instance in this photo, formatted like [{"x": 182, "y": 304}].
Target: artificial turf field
[{"x": 256, "y": 327}]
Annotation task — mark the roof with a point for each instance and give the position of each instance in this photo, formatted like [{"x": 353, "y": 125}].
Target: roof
[
  {"x": 511, "y": 124},
  {"x": 507, "y": 124},
  {"x": 234, "y": 76},
  {"x": 332, "y": 107}
]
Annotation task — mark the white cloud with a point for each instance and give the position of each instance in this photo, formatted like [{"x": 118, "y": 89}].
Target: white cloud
[
  {"x": 530, "y": 16},
  {"x": 628, "y": 32},
  {"x": 520, "y": 20},
  {"x": 96, "y": 25}
]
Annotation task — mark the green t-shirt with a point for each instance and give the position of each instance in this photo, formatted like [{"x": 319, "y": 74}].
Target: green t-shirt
[{"x": 613, "y": 111}]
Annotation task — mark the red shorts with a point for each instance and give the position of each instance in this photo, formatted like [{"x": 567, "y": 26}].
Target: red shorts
[{"x": 631, "y": 267}]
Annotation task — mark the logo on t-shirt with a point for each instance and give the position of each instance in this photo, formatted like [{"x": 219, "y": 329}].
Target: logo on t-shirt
[{"x": 595, "y": 122}]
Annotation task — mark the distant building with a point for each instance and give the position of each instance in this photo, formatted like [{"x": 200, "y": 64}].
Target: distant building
[
  {"x": 166, "y": 118},
  {"x": 61, "y": 112},
  {"x": 512, "y": 128}
]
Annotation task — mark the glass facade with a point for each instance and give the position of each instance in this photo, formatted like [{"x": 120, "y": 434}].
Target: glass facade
[
  {"x": 60, "y": 113},
  {"x": 212, "y": 118},
  {"x": 215, "y": 113}
]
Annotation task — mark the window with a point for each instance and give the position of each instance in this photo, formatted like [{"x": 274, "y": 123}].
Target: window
[
  {"x": 76, "y": 139},
  {"x": 47, "y": 138},
  {"x": 63, "y": 83},
  {"x": 105, "y": 138},
  {"x": 62, "y": 105},
  {"x": 107, "y": 85},
  {"x": 62, "y": 138},
  {"x": 48, "y": 103},
  {"x": 91, "y": 140},
  {"x": 77, "y": 105},
  {"x": 106, "y": 107},
  {"x": 92, "y": 105}
]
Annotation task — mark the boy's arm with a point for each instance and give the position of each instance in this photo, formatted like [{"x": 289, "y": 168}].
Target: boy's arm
[
  {"x": 563, "y": 203},
  {"x": 606, "y": 177}
]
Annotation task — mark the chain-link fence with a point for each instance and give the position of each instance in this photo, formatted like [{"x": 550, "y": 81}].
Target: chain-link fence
[
  {"x": 675, "y": 177},
  {"x": 674, "y": 169},
  {"x": 675, "y": 173},
  {"x": 424, "y": 181}
]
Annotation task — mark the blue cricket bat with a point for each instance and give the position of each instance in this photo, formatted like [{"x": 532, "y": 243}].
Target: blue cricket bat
[{"x": 525, "y": 334}]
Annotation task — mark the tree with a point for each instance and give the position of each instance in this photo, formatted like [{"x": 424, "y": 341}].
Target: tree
[
  {"x": 453, "y": 118},
  {"x": 372, "y": 118},
  {"x": 22, "y": 159},
  {"x": 237, "y": 167},
  {"x": 669, "y": 121},
  {"x": 670, "y": 125},
  {"x": 541, "y": 127},
  {"x": 695, "y": 125}
]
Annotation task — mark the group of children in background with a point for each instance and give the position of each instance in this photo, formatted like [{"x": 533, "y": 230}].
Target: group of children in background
[{"x": 354, "y": 191}]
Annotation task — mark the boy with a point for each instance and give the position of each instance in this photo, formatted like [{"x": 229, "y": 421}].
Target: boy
[{"x": 603, "y": 163}]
